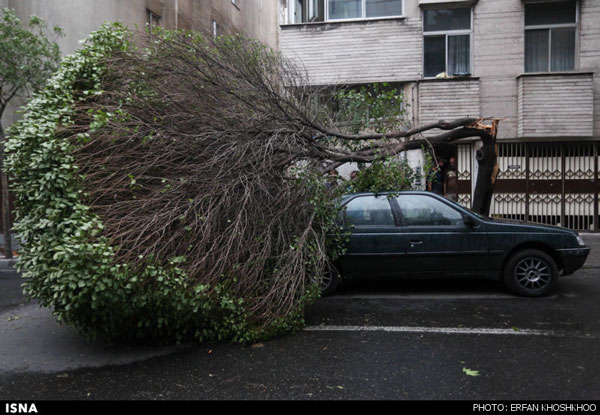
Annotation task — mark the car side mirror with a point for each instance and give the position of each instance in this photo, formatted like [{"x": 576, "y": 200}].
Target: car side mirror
[{"x": 469, "y": 221}]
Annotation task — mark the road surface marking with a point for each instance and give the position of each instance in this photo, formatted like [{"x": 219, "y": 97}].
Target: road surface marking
[{"x": 454, "y": 330}]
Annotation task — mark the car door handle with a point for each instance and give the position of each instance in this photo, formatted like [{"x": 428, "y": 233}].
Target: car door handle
[{"x": 413, "y": 243}]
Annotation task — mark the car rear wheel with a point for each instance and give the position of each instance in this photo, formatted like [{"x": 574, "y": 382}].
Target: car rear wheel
[
  {"x": 330, "y": 282},
  {"x": 531, "y": 273}
]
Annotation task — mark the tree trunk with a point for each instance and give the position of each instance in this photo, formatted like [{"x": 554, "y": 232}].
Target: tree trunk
[
  {"x": 488, "y": 169},
  {"x": 6, "y": 222}
]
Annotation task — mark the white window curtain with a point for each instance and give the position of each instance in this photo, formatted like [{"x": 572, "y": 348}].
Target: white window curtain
[
  {"x": 345, "y": 9},
  {"x": 459, "y": 53},
  {"x": 380, "y": 8},
  {"x": 536, "y": 50},
  {"x": 563, "y": 50}
]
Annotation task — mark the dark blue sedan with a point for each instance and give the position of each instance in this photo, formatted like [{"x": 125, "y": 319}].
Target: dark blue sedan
[{"x": 423, "y": 234}]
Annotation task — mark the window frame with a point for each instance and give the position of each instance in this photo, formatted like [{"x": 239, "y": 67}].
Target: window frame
[
  {"x": 446, "y": 34},
  {"x": 291, "y": 8},
  {"x": 152, "y": 19},
  {"x": 550, "y": 28}
]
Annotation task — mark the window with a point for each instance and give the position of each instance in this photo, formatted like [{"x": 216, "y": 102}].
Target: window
[
  {"x": 360, "y": 9},
  {"x": 447, "y": 42},
  {"x": 369, "y": 211},
  {"x": 419, "y": 210},
  {"x": 303, "y": 11},
  {"x": 381, "y": 8},
  {"x": 152, "y": 19},
  {"x": 550, "y": 36}
]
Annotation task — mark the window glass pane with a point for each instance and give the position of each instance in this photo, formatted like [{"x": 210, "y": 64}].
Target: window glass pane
[
  {"x": 550, "y": 13},
  {"x": 316, "y": 10},
  {"x": 308, "y": 11},
  {"x": 435, "y": 55},
  {"x": 536, "y": 50},
  {"x": 426, "y": 211},
  {"x": 345, "y": 9},
  {"x": 448, "y": 19},
  {"x": 370, "y": 210},
  {"x": 459, "y": 55},
  {"x": 377, "y": 8},
  {"x": 563, "y": 50}
]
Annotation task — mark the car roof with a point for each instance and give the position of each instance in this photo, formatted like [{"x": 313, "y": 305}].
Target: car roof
[{"x": 349, "y": 195}]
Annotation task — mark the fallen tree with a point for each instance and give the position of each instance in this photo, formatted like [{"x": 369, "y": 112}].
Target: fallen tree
[{"x": 169, "y": 186}]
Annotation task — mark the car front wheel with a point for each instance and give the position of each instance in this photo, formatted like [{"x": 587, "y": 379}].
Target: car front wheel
[{"x": 531, "y": 273}]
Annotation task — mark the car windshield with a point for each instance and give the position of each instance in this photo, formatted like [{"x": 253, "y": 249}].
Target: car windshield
[{"x": 478, "y": 215}]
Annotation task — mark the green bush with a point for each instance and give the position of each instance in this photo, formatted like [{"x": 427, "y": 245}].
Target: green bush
[{"x": 383, "y": 176}]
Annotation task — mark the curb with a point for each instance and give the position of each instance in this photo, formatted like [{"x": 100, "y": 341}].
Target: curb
[{"x": 7, "y": 263}]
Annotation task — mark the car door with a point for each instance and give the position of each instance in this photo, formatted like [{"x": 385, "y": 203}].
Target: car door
[
  {"x": 438, "y": 239},
  {"x": 377, "y": 245}
]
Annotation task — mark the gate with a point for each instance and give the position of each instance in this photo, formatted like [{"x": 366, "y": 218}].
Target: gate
[
  {"x": 464, "y": 164},
  {"x": 550, "y": 183}
]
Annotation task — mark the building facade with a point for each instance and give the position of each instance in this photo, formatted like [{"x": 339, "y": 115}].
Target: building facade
[
  {"x": 258, "y": 19},
  {"x": 532, "y": 63}
]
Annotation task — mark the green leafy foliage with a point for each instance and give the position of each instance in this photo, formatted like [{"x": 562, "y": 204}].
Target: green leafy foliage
[
  {"x": 383, "y": 176},
  {"x": 378, "y": 107},
  {"x": 28, "y": 56},
  {"x": 326, "y": 201},
  {"x": 470, "y": 372}
]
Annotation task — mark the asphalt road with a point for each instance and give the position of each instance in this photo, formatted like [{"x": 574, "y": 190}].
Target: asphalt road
[{"x": 428, "y": 340}]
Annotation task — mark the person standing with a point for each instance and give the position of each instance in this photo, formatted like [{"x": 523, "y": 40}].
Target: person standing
[
  {"x": 436, "y": 185},
  {"x": 332, "y": 180},
  {"x": 451, "y": 181}
]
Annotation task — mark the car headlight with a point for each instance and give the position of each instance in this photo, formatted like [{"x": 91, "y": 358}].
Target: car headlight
[{"x": 580, "y": 241}]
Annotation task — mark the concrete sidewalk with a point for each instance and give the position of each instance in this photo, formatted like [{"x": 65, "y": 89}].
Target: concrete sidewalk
[
  {"x": 7, "y": 263},
  {"x": 31, "y": 340}
]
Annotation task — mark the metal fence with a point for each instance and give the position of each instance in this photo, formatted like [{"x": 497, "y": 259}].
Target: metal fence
[{"x": 551, "y": 183}]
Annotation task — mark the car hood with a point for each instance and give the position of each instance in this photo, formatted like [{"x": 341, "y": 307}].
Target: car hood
[{"x": 527, "y": 226}]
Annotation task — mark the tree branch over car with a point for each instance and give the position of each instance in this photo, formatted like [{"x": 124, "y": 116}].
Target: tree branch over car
[{"x": 189, "y": 184}]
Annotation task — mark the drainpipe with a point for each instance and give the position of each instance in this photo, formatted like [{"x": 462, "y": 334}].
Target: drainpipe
[
  {"x": 176, "y": 14},
  {"x": 415, "y": 123},
  {"x": 416, "y": 103}
]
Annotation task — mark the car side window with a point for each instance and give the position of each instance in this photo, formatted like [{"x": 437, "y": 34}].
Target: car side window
[
  {"x": 369, "y": 211},
  {"x": 420, "y": 210}
]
